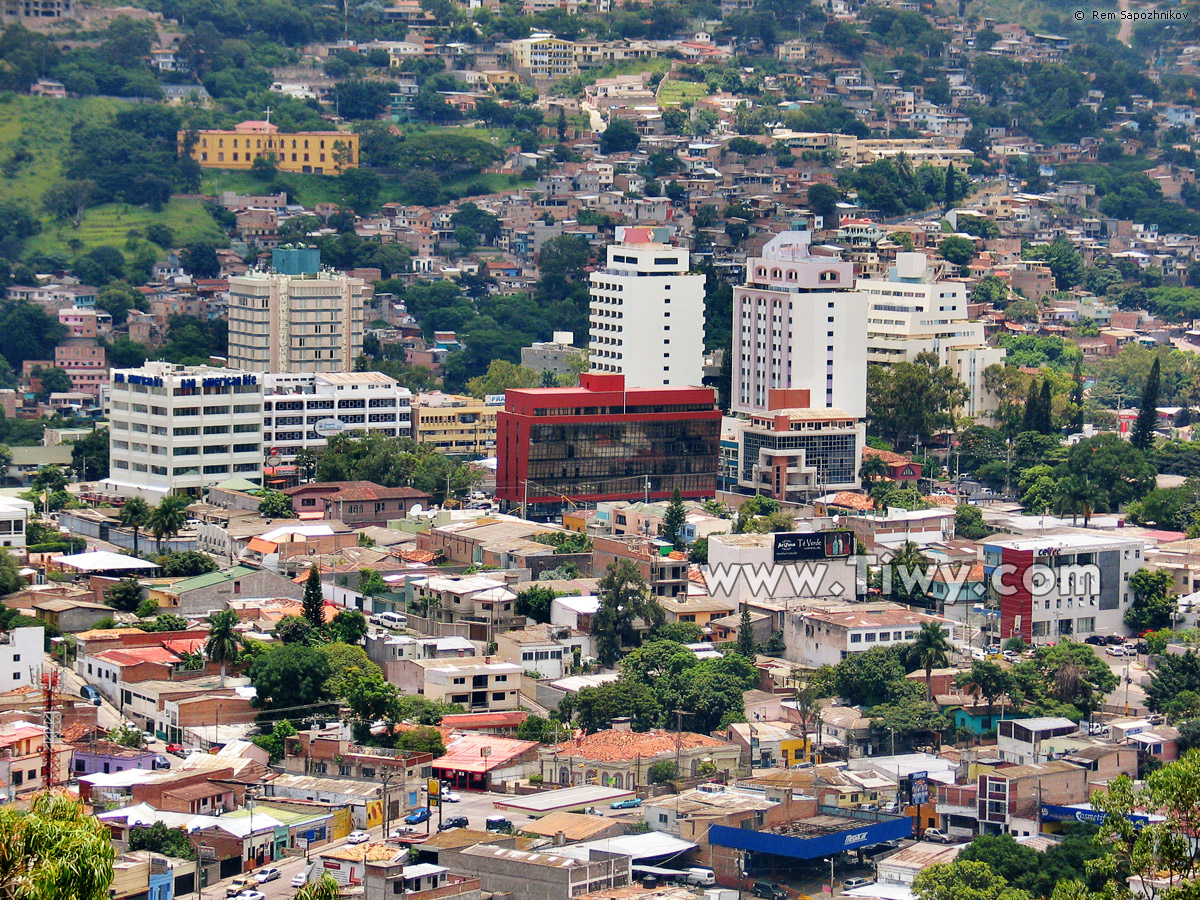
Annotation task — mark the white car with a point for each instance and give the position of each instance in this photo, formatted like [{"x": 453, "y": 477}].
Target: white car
[
  {"x": 1116, "y": 650},
  {"x": 357, "y": 837},
  {"x": 299, "y": 880},
  {"x": 451, "y": 797},
  {"x": 251, "y": 895},
  {"x": 270, "y": 873}
]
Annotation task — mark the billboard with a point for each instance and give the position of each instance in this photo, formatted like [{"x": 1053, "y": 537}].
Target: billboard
[
  {"x": 1052, "y": 813},
  {"x": 795, "y": 547},
  {"x": 920, "y": 788},
  {"x": 857, "y": 834}
]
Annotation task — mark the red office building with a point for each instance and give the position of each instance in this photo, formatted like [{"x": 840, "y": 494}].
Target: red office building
[{"x": 600, "y": 441}]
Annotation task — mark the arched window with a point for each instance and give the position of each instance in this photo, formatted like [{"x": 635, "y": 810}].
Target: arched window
[
  {"x": 791, "y": 274},
  {"x": 775, "y": 273}
]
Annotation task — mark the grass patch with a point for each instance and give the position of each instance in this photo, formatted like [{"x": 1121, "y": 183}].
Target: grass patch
[
  {"x": 111, "y": 223},
  {"x": 674, "y": 92}
]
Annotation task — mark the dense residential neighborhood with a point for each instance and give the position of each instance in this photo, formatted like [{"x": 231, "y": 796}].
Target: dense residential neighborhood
[{"x": 599, "y": 450}]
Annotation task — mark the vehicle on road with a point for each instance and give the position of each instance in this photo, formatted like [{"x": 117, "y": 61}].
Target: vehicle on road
[
  {"x": 1117, "y": 650},
  {"x": 161, "y": 762},
  {"x": 768, "y": 890},
  {"x": 417, "y": 816},
  {"x": 270, "y": 873},
  {"x": 389, "y": 620},
  {"x": 851, "y": 883},
  {"x": 937, "y": 836},
  {"x": 1096, "y": 640},
  {"x": 252, "y": 895},
  {"x": 403, "y": 833},
  {"x": 357, "y": 837},
  {"x": 1115, "y": 639},
  {"x": 454, "y": 822},
  {"x": 239, "y": 884},
  {"x": 627, "y": 803},
  {"x": 299, "y": 880},
  {"x": 451, "y": 797},
  {"x": 176, "y": 749},
  {"x": 498, "y": 823},
  {"x": 89, "y": 693}
]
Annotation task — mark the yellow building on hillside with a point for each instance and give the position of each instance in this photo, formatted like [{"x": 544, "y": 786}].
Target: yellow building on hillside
[{"x": 310, "y": 152}]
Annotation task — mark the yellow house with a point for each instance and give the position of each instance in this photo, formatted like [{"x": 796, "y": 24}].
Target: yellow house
[
  {"x": 499, "y": 78},
  {"x": 315, "y": 152},
  {"x": 454, "y": 424}
]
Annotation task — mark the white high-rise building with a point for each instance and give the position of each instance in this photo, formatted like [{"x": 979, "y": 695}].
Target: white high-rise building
[
  {"x": 180, "y": 429},
  {"x": 296, "y": 317},
  {"x": 799, "y": 324},
  {"x": 647, "y": 313},
  {"x": 301, "y": 412},
  {"x": 909, "y": 313}
]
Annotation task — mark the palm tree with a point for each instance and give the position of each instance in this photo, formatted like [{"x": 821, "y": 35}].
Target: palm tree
[
  {"x": 873, "y": 468},
  {"x": 324, "y": 888},
  {"x": 133, "y": 515},
  {"x": 222, "y": 644},
  {"x": 56, "y": 849},
  {"x": 1077, "y": 495},
  {"x": 929, "y": 651},
  {"x": 166, "y": 519}
]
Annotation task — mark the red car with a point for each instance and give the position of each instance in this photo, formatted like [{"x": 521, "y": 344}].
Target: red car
[{"x": 177, "y": 749}]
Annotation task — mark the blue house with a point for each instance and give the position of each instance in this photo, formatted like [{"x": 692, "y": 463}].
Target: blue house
[{"x": 981, "y": 718}]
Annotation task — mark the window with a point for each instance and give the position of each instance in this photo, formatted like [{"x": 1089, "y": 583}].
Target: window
[{"x": 856, "y": 638}]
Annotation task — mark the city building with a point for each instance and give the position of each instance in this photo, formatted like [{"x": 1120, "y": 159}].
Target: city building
[
  {"x": 35, "y": 11},
  {"x": 315, "y": 152},
  {"x": 296, "y": 316},
  {"x": 799, "y": 323},
  {"x": 182, "y": 429},
  {"x": 302, "y": 411},
  {"x": 1070, "y": 584},
  {"x": 554, "y": 356},
  {"x": 647, "y": 313},
  {"x": 794, "y": 450},
  {"x": 664, "y": 569},
  {"x": 357, "y": 504},
  {"x": 475, "y": 684},
  {"x": 14, "y": 515},
  {"x": 20, "y": 657},
  {"x": 544, "y": 56},
  {"x": 824, "y": 636},
  {"x": 605, "y": 441},
  {"x": 909, "y": 313},
  {"x": 456, "y": 424}
]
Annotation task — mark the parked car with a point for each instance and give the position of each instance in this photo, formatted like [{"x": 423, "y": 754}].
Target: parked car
[
  {"x": 700, "y": 876},
  {"x": 89, "y": 693},
  {"x": 1115, "y": 639},
  {"x": 937, "y": 836},
  {"x": 149, "y": 737},
  {"x": 251, "y": 895},
  {"x": 357, "y": 837},
  {"x": 1096, "y": 640},
  {"x": 300, "y": 879},
  {"x": 1117, "y": 650},
  {"x": 270, "y": 873},
  {"x": 769, "y": 891},
  {"x": 239, "y": 884},
  {"x": 417, "y": 816},
  {"x": 451, "y": 797},
  {"x": 627, "y": 803},
  {"x": 175, "y": 749},
  {"x": 851, "y": 883},
  {"x": 402, "y": 833},
  {"x": 161, "y": 762},
  {"x": 454, "y": 822},
  {"x": 498, "y": 823}
]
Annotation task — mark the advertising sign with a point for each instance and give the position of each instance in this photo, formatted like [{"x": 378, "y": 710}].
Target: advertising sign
[{"x": 794, "y": 547}]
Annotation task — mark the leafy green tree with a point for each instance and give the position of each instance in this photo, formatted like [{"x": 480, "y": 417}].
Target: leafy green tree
[
  {"x": 1153, "y": 604},
  {"x": 200, "y": 259},
  {"x": 159, "y": 838},
  {"x": 274, "y": 743},
  {"x": 1063, "y": 259},
  {"x": 968, "y": 522},
  {"x": 698, "y": 551},
  {"x": 1147, "y": 419},
  {"x": 594, "y": 708},
  {"x": 957, "y": 250},
  {"x": 288, "y": 676},
  {"x": 624, "y": 598},
  {"x": 661, "y": 772},
  {"x": 822, "y": 201},
  {"x": 370, "y": 582},
  {"x": 222, "y": 646},
  {"x": 370, "y": 697},
  {"x": 1065, "y": 679},
  {"x": 125, "y": 595},
  {"x": 985, "y": 679},
  {"x": 313, "y": 605},
  {"x": 674, "y": 519},
  {"x": 166, "y": 519},
  {"x": 929, "y": 651},
  {"x": 275, "y": 505},
  {"x": 537, "y": 728},
  {"x": 618, "y": 137},
  {"x": 912, "y": 400},
  {"x": 349, "y": 626},
  {"x": 295, "y": 630},
  {"x": 89, "y": 455},
  {"x": 1118, "y": 469},
  {"x": 1173, "y": 676},
  {"x": 134, "y": 515},
  {"x": 68, "y": 199},
  {"x": 186, "y": 563},
  {"x": 907, "y": 568},
  {"x": 56, "y": 848},
  {"x": 341, "y": 658},
  {"x": 422, "y": 739},
  {"x": 867, "y": 679},
  {"x": 501, "y": 376},
  {"x": 909, "y": 718},
  {"x": 964, "y": 880},
  {"x": 653, "y": 659},
  {"x": 534, "y": 603}
]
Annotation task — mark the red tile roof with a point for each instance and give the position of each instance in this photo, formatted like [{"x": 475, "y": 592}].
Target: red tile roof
[
  {"x": 886, "y": 455},
  {"x": 851, "y": 500},
  {"x": 464, "y": 753},
  {"x": 138, "y": 655},
  {"x": 509, "y": 719},
  {"x": 358, "y": 490},
  {"x": 612, "y": 745}
]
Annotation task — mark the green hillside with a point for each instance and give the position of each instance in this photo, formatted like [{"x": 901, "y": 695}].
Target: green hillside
[{"x": 42, "y": 128}]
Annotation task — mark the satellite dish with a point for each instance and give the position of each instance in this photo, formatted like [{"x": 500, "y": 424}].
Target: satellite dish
[{"x": 416, "y": 510}]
